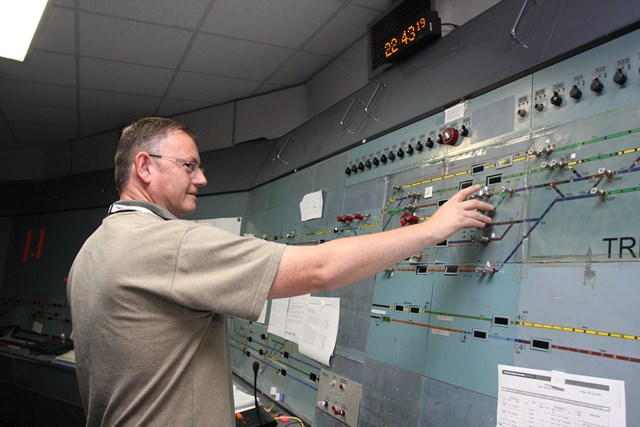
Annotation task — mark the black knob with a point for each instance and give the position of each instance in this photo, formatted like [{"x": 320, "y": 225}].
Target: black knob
[
  {"x": 596, "y": 85},
  {"x": 392, "y": 156},
  {"x": 354, "y": 169},
  {"x": 347, "y": 170},
  {"x": 383, "y": 158},
  {"x": 400, "y": 152},
  {"x": 376, "y": 162},
  {"x": 464, "y": 131},
  {"x": 556, "y": 99},
  {"x": 367, "y": 164},
  {"x": 521, "y": 112},
  {"x": 361, "y": 166},
  {"x": 419, "y": 146},
  {"x": 429, "y": 143},
  {"x": 619, "y": 77},
  {"x": 575, "y": 93},
  {"x": 539, "y": 107},
  {"x": 439, "y": 139},
  {"x": 409, "y": 149}
]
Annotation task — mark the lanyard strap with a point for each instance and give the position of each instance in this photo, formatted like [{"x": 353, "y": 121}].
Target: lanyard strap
[{"x": 114, "y": 208}]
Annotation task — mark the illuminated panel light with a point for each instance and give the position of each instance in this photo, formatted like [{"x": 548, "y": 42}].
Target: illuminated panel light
[{"x": 18, "y": 22}]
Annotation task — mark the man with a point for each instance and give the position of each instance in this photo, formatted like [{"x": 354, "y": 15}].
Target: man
[{"x": 148, "y": 292}]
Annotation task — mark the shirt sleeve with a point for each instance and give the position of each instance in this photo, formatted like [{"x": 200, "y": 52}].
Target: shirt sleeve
[{"x": 220, "y": 272}]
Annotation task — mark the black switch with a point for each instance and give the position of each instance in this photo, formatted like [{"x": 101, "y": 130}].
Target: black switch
[
  {"x": 619, "y": 77},
  {"x": 596, "y": 85},
  {"x": 575, "y": 93}
]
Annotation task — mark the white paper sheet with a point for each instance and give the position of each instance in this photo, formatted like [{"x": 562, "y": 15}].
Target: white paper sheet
[
  {"x": 242, "y": 401},
  {"x": 454, "y": 113},
  {"x": 311, "y": 206},
  {"x": 278, "y": 316},
  {"x": 320, "y": 331},
  {"x": 532, "y": 397},
  {"x": 296, "y": 317}
]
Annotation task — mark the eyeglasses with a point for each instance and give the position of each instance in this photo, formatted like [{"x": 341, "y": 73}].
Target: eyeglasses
[{"x": 190, "y": 165}]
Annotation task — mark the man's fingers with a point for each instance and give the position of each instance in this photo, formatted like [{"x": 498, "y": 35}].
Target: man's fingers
[
  {"x": 477, "y": 204},
  {"x": 475, "y": 218},
  {"x": 466, "y": 192}
]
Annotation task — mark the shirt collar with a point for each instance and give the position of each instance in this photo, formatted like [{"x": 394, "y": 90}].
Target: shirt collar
[{"x": 141, "y": 205}]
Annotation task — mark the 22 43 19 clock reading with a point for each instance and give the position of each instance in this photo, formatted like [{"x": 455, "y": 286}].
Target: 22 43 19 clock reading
[
  {"x": 409, "y": 35},
  {"x": 401, "y": 31}
]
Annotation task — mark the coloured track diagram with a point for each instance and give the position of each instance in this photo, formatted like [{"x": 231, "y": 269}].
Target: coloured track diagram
[{"x": 552, "y": 284}]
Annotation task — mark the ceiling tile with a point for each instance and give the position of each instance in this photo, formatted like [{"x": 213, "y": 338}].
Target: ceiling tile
[
  {"x": 266, "y": 87},
  {"x": 338, "y": 35},
  {"x": 120, "y": 77},
  {"x": 40, "y": 135},
  {"x": 299, "y": 69},
  {"x": 40, "y": 66},
  {"x": 211, "y": 89},
  {"x": 4, "y": 127},
  {"x": 380, "y": 5},
  {"x": 110, "y": 102},
  {"x": 134, "y": 42},
  {"x": 37, "y": 93},
  {"x": 58, "y": 33},
  {"x": 6, "y": 136},
  {"x": 282, "y": 22},
  {"x": 92, "y": 122},
  {"x": 67, "y": 3},
  {"x": 172, "y": 107},
  {"x": 36, "y": 114},
  {"x": 242, "y": 59},
  {"x": 8, "y": 141},
  {"x": 183, "y": 13}
]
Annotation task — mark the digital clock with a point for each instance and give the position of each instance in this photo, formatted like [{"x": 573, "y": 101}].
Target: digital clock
[{"x": 407, "y": 26}]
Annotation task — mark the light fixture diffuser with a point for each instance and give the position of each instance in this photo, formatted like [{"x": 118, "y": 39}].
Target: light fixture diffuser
[{"x": 18, "y": 23}]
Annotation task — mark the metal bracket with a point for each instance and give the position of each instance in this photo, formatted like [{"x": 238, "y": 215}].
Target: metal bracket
[
  {"x": 282, "y": 149},
  {"x": 515, "y": 25},
  {"x": 373, "y": 95},
  {"x": 347, "y": 113}
]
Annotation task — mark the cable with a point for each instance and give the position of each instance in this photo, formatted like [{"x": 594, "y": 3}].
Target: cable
[{"x": 285, "y": 418}]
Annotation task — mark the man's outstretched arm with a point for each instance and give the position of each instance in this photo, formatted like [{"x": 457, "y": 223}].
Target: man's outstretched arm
[{"x": 339, "y": 262}]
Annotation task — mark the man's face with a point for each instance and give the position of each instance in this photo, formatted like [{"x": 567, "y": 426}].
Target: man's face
[{"x": 174, "y": 186}]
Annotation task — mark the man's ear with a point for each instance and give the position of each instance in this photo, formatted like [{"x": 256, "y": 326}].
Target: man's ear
[{"x": 142, "y": 166}]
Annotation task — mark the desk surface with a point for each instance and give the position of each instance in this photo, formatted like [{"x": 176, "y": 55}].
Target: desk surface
[{"x": 271, "y": 407}]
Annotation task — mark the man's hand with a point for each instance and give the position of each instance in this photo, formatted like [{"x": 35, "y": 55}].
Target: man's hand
[{"x": 458, "y": 213}]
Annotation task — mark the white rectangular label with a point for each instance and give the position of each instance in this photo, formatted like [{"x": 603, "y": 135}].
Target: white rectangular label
[
  {"x": 440, "y": 332},
  {"x": 373, "y": 310},
  {"x": 428, "y": 192},
  {"x": 447, "y": 318},
  {"x": 454, "y": 113}
]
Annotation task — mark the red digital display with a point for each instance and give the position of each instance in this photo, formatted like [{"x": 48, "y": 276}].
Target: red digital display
[
  {"x": 407, "y": 26},
  {"x": 409, "y": 35}
]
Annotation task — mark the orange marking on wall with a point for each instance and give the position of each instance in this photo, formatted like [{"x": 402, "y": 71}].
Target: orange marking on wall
[
  {"x": 27, "y": 245},
  {"x": 40, "y": 243}
]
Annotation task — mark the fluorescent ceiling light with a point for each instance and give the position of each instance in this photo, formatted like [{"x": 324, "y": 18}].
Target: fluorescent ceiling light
[{"x": 18, "y": 22}]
